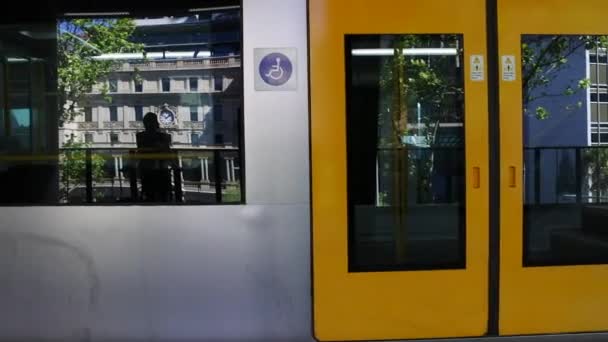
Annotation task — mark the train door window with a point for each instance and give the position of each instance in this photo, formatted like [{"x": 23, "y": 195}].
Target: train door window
[
  {"x": 565, "y": 149},
  {"x": 405, "y": 134}
]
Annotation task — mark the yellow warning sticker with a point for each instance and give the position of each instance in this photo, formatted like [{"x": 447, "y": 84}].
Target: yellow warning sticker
[
  {"x": 509, "y": 72},
  {"x": 477, "y": 68}
]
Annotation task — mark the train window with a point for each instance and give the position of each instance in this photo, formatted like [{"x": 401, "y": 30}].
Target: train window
[
  {"x": 53, "y": 73},
  {"x": 565, "y": 149},
  {"x": 405, "y": 138}
]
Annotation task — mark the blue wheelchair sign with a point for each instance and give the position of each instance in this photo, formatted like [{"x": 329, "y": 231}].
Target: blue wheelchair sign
[{"x": 275, "y": 69}]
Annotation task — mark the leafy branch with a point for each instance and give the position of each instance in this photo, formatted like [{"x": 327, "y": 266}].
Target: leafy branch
[
  {"x": 79, "y": 41},
  {"x": 542, "y": 62}
]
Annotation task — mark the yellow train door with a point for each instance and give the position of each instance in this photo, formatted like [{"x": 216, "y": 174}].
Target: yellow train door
[
  {"x": 399, "y": 140},
  {"x": 553, "y": 131}
]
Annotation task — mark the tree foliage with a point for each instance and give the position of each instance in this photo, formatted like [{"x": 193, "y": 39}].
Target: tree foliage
[
  {"x": 80, "y": 40},
  {"x": 595, "y": 161},
  {"x": 72, "y": 165},
  {"x": 426, "y": 81},
  {"x": 407, "y": 82},
  {"x": 543, "y": 59}
]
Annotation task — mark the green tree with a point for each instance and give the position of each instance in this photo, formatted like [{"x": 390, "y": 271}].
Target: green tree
[
  {"x": 543, "y": 58},
  {"x": 405, "y": 82},
  {"x": 424, "y": 81},
  {"x": 595, "y": 162},
  {"x": 413, "y": 80},
  {"x": 72, "y": 166},
  {"x": 79, "y": 41}
]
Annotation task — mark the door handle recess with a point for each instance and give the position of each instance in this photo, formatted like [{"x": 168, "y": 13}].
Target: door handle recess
[
  {"x": 512, "y": 177},
  {"x": 476, "y": 175}
]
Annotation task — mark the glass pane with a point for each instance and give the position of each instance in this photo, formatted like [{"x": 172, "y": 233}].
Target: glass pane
[
  {"x": 405, "y": 129},
  {"x": 565, "y": 164},
  {"x": 598, "y": 74},
  {"x": 193, "y": 84},
  {"x": 139, "y": 113},
  {"x": 219, "y": 83},
  {"x": 113, "y": 85},
  {"x": 193, "y": 113},
  {"x": 105, "y": 130},
  {"x": 28, "y": 100},
  {"x": 166, "y": 83},
  {"x": 2, "y": 100}
]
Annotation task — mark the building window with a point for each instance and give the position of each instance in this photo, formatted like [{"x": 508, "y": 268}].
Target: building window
[
  {"x": 218, "y": 82},
  {"x": 193, "y": 113},
  {"x": 113, "y": 113},
  {"x": 598, "y": 73},
  {"x": 195, "y": 138},
  {"x": 602, "y": 97},
  {"x": 88, "y": 138},
  {"x": 598, "y": 56},
  {"x": 218, "y": 112},
  {"x": 88, "y": 114},
  {"x": 139, "y": 86},
  {"x": 114, "y": 138},
  {"x": 139, "y": 113},
  {"x": 193, "y": 84},
  {"x": 113, "y": 85},
  {"x": 219, "y": 139},
  {"x": 166, "y": 84}
]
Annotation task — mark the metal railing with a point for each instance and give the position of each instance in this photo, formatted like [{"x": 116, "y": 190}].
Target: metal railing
[
  {"x": 95, "y": 169},
  {"x": 430, "y": 174},
  {"x": 552, "y": 175},
  {"x": 188, "y": 63},
  {"x": 569, "y": 174}
]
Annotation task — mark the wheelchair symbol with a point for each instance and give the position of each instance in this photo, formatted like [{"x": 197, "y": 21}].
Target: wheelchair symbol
[
  {"x": 276, "y": 72},
  {"x": 275, "y": 69}
]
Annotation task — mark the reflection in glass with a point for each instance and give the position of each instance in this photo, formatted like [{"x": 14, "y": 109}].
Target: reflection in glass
[
  {"x": 405, "y": 128},
  {"x": 27, "y": 97},
  {"x": 565, "y": 149},
  {"x": 75, "y": 92}
]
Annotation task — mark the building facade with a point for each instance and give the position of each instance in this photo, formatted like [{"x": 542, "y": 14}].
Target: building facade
[
  {"x": 190, "y": 77},
  {"x": 561, "y": 151}
]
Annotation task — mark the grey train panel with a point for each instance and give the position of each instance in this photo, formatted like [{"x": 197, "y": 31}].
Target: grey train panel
[{"x": 158, "y": 274}]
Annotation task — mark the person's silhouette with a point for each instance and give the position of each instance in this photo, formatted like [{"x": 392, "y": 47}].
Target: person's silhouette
[{"x": 154, "y": 148}]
